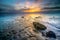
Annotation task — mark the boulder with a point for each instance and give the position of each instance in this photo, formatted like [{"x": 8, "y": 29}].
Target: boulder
[
  {"x": 51, "y": 34},
  {"x": 22, "y": 17},
  {"x": 39, "y": 26}
]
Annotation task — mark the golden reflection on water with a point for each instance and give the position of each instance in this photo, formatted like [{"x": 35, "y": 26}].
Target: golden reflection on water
[{"x": 33, "y": 15}]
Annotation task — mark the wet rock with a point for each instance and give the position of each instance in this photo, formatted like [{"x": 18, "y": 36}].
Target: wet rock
[
  {"x": 39, "y": 26},
  {"x": 14, "y": 32},
  {"x": 43, "y": 34},
  {"x": 22, "y": 17},
  {"x": 38, "y": 17},
  {"x": 51, "y": 34},
  {"x": 24, "y": 38}
]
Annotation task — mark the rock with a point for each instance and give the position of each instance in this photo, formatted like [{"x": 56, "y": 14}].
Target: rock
[
  {"x": 39, "y": 26},
  {"x": 51, "y": 34},
  {"x": 43, "y": 34},
  {"x": 13, "y": 31},
  {"x": 38, "y": 17},
  {"x": 22, "y": 17}
]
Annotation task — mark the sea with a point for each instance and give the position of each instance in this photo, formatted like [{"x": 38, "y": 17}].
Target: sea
[{"x": 50, "y": 19}]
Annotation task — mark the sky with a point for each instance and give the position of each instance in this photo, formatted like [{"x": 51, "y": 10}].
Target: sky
[
  {"x": 24, "y": 3},
  {"x": 13, "y": 2}
]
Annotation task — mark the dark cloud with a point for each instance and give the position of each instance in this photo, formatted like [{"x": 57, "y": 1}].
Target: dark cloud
[
  {"x": 52, "y": 8},
  {"x": 53, "y": 3},
  {"x": 4, "y": 7}
]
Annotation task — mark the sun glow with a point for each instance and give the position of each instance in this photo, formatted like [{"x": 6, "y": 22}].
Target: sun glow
[
  {"x": 29, "y": 7},
  {"x": 33, "y": 8}
]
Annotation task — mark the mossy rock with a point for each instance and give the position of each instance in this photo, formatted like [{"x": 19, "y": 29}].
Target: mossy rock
[{"x": 39, "y": 26}]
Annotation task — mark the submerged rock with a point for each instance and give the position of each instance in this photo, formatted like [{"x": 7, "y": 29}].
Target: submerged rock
[
  {"x": 39, "y": 26},
  {"x": 51, "y": 34}
]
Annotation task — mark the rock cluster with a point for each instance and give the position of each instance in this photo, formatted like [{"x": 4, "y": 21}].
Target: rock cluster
[
  {"x": 20, "y": 30},
  {"x": 41, "y": 28}
]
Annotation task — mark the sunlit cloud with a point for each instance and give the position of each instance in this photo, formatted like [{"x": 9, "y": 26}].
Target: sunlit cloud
[
  {"x": 18, "y": 6},
  {"x": 30, "y": 7}
]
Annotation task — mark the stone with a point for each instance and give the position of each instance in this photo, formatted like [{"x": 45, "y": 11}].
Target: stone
[
  {"x": 14, "y": 32},
  {"x": 39, "y": 26},
  {"x": 22, "y": 17},
  {"x": 50, "y": 34}
]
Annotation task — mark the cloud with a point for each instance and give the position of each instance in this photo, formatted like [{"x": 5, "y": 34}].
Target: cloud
[{"x": 4, "y": 7}]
